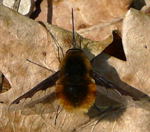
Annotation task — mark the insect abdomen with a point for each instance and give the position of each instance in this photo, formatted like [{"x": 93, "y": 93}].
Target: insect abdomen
[{"x": 79, "y": 96}]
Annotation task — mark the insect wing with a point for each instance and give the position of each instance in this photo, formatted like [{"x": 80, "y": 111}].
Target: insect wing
[
  {"x": 48, "y": 82},
  {"x": 44, "y": 103},
  {"x": 99, "y": 80},
  {"x": 37, "y": 100}
]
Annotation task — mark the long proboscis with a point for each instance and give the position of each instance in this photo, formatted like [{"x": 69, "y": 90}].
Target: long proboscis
[{"x": 73, "y": 31}]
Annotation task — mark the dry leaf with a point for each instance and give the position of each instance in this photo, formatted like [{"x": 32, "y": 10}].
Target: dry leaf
[
  {"x": 133, "y": 74},
  {"x": 94, "y": 19},
  {"x": 24, "y": 7},
  {"x": 21, "y": 39}
]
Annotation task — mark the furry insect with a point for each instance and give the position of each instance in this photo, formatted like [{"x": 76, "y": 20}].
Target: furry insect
[{"x": 75, "y": 81}]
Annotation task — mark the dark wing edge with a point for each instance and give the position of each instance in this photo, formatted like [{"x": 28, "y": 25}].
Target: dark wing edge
[
  {"x": 48, "y": 82},
  {"x": 99, "y": 80}
]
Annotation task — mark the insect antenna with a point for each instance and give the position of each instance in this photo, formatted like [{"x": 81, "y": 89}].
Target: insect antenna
[{"x": 73, "y": 32}]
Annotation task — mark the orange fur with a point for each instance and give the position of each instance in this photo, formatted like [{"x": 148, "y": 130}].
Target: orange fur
[{"x": 84, "y": 105}]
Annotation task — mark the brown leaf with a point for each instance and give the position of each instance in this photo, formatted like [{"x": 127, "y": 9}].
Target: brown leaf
[
  {"x": 94, "y": 19},
  {"x": 21, "y": 39}
]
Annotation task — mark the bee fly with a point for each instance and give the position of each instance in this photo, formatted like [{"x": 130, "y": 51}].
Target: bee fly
[{"x": 75, "y": 81}]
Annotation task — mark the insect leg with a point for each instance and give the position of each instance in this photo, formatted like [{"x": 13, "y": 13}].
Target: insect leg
[
  {"x": 40, "y": 65},
  {"x": 59, "y": 48},
  {"x": 57, "y": 114}
]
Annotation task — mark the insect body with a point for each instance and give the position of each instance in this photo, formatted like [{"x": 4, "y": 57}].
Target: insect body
[
  {"x": 75, "y": 81},
  {"x": 76, "y": 88}
]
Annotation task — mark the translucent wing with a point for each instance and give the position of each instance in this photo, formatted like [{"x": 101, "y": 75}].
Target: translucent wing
[
  {"x": 48, "y": 82},
  {"x": 43, "y": 102},
  {"x": 99, "y": 80},
  {"x": 38, "y": 100}
]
